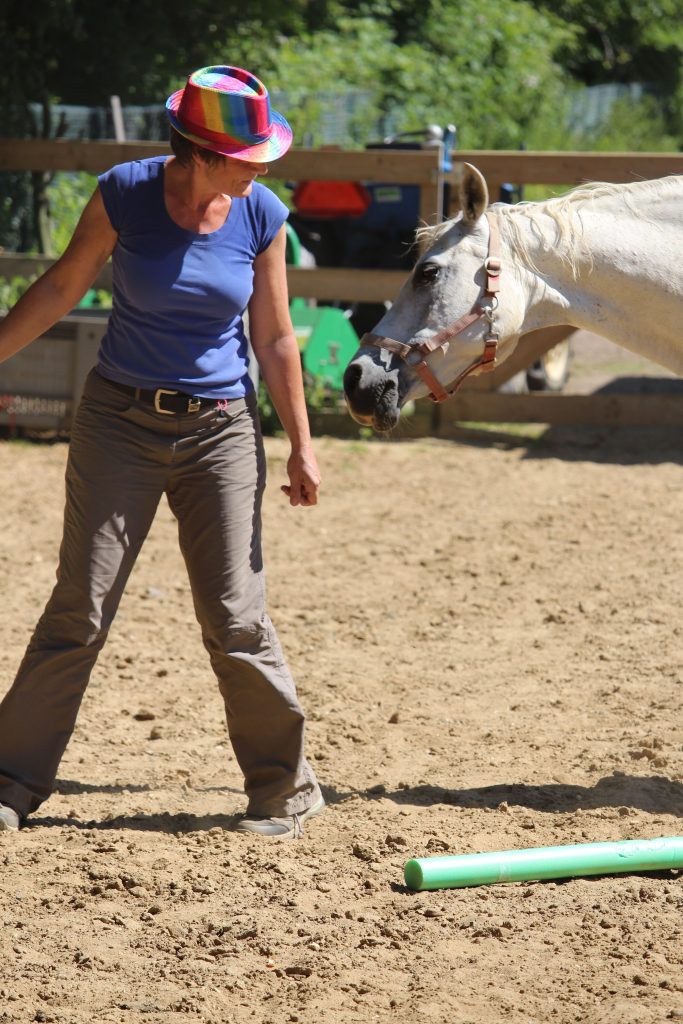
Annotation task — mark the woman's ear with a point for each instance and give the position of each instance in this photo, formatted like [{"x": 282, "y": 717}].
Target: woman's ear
[{"x": 472, "y": 193}]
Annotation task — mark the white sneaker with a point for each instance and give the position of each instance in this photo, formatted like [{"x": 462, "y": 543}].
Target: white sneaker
[
  {"x": 9, "y": 819},
  {"x": 288, "y": 827}
]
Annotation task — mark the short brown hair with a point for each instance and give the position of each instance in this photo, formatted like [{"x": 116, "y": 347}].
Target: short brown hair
[{"x": 185, "y": 151}]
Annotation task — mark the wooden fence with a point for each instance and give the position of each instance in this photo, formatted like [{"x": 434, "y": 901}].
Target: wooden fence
[{"x": 479, "y": 399}]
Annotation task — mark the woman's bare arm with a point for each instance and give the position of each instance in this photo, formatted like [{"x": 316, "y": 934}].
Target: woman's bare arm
[
  {"x": 275, "y": 346},
  {"x": 62, "y": 286}
]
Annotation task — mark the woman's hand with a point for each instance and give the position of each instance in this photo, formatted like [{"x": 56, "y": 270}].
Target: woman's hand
[{"x": 304, "y": 477}]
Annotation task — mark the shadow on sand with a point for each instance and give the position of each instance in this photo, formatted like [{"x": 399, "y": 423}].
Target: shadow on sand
[{"x": 652, "y": 794}]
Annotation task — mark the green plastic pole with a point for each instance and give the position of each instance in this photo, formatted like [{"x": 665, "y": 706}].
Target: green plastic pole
[{"x": 544, "y": 862}]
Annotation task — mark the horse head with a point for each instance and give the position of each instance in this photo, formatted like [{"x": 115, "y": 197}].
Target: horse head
[{"x": 439, "y": 329}]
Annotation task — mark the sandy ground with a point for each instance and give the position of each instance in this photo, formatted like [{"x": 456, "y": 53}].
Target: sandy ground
[{"x": 487, "y": 637}]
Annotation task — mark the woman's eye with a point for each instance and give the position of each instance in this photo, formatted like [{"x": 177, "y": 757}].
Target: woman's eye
[{"x": 427, "y": 272}]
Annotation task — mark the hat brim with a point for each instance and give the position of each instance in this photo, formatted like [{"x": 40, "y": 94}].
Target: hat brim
[{"x": 272, "y": 148}]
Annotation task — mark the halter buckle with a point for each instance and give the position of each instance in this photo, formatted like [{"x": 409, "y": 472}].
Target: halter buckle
[{"x": 489, "y": 359}]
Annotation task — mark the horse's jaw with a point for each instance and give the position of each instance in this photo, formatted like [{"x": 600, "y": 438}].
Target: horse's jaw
[{"x": 380, "y": 422}]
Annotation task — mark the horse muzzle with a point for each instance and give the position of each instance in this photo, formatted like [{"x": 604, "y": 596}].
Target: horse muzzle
[{"x": 372, "y": 393}]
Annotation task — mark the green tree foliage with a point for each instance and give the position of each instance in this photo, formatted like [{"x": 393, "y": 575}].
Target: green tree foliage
[
  {"x": 83, "y": 51},
  {"x": 476, "y": 54},
  {"x": 638, "y": 41},
  {"x": 503, "y": 71},
  {"x": 487, "y": 66},
  {"x": 67, "y": 195},
  {"x": 493, "y": 65}
]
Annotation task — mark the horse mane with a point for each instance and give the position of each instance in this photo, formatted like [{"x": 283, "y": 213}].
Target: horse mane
[
  {"x": 565, "y": 212},
  {"x": 427, "y": 234}
]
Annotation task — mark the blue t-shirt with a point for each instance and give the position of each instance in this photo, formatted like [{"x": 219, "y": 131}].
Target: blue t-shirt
[{"x": 178, "y": 296}]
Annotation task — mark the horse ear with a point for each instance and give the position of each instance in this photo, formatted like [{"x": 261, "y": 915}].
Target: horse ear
[{"x": 473, "y": 195}]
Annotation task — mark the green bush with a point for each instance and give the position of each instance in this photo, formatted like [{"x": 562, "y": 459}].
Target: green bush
[
  {"x": 318, "y": 398},
  {"x": 67, "y": 195}
]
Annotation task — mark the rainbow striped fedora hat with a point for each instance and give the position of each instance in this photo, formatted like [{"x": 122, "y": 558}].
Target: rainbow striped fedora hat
[{"x": 227, "y": 110}]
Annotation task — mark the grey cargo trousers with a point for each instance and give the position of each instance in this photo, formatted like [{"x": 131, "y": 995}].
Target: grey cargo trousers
[{"x": 123, "y": 456}]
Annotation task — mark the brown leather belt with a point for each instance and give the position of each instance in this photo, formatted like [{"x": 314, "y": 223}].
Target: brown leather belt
[{"x": 164, "y": 400}]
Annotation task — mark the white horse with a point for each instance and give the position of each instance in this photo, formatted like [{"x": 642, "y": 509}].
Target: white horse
[{"x": 606, "y": 258}]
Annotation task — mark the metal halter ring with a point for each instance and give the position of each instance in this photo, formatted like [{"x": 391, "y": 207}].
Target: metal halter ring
[{"x": 488, "y": 311}]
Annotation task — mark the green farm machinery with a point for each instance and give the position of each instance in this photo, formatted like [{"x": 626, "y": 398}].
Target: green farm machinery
[{"x": 327, "y": 339}]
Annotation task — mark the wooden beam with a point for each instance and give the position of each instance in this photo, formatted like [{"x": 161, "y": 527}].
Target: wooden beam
[
  {"x": 68, "y": 327},
  {"x": 398, "y": 166},
  {"x": 17, "y": 264},
  {"x": 558, "y": 168},
  {"x": 346, "y": 284},
  {"x": 338, "y": 423},
  {"x": 72, "y": 155},
  {"x": 418, "y": 167},
  {"x": 589, "y": 410}
]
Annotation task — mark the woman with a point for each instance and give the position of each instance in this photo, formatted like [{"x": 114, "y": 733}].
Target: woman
[{"x": 170, "y": 409}]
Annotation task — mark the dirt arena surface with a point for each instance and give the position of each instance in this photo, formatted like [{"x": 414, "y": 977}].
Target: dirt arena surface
[{"x": 487, "y": 637}]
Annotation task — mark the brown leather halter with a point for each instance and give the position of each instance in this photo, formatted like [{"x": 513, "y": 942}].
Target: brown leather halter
[{"x": 487, "y": 361}]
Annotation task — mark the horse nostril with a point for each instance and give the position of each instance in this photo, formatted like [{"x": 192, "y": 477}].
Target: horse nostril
[{"x": 352, "y": 376}]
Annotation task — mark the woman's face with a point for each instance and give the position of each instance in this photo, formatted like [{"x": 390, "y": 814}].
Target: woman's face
[{"x": 235, "y": 177}]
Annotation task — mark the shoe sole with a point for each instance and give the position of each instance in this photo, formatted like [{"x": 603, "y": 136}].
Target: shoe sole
[{"x": 310, "y": 812}]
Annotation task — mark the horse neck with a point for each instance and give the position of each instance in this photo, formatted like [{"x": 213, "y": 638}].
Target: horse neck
[{"x": 614, "y": 283}]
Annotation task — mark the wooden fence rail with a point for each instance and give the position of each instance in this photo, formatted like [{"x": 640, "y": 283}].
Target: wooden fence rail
[
  {"x": 345, "y": 284},
  {"x": 559, "y": 168},
  {"x": 525, "y": 167},
  {"x": 400, "y": 167}
]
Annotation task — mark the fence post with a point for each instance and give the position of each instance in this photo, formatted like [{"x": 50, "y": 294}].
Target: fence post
[
  {"x": 431, "y": 195},
  {"x": 117, "y": 117}
]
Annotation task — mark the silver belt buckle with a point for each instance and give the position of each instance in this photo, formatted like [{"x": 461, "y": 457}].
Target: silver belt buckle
[{"x": 157, "y": 395}]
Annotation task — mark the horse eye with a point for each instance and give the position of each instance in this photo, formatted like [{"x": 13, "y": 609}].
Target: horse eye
[{"x": 427, "y": 272}]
